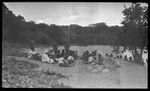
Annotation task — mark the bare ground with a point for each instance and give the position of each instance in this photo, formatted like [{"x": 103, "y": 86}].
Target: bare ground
[{"x": 130, "y": 75}]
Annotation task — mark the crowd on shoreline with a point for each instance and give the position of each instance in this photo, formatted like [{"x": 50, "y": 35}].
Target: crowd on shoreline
[{"x": 66, "y": 57}]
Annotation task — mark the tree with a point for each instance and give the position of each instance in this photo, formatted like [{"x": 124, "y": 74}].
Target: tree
[
  {"x": 15, "y": 28},
  {"x": 135, "y": 29},
  {"x": 20, "y": 18}
]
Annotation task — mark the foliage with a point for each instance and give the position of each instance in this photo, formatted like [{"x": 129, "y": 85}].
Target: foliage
[
  {"x": 135, "y": 29},
  {"x": 133, "y": 32},
  {"x": 135, "y": 26},
  {"x": 17, "y": 29}
]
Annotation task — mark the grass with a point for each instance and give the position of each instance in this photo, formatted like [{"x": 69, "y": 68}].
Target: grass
[
  {"x": 13, "y": 52},
  {"x": 21, "y": 74}
]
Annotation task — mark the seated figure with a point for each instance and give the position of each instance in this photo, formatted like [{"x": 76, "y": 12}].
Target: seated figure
[
  {"x": 37, "y": 56},
  {"x": 45, "y": 58},
  {"x": 91, "y": 58},
  {"x": 60, "y": 60},
  {"x": 30, "y": 53},
  {"x": 70, "y": 59}
]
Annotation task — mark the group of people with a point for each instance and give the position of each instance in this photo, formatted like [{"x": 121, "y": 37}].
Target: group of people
[
  {"x": 98, "y": 57},
  {"x": 127, "y": 55},
  {"x": 94, "y": 57},
  {"x": 64, "y": 57}
]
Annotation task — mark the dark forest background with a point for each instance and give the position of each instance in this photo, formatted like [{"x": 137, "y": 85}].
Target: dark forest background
[{"x": 133, "y": 33}]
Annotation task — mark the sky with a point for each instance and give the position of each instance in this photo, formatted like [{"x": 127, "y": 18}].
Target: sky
[{"x": 66, "y": 13}]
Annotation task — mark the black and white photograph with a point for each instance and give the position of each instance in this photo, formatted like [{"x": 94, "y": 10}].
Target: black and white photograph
[{"x": 75, "y": 45}]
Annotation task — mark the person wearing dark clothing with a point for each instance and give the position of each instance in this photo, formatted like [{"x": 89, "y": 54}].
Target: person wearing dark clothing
[
  {"x": 94, "y": 53},
  {"x": 100, "y": 60},
  {"x": 62, "y": 53},
  {"x": 86, "y": 56},
  {"x": 75, "y": 55},
  {"x": 67, "y": 49},
  {"x": 37, "y": 56},
  {"x": 106, "y": 54},
  {"x": 55, "y": 48},
  {"x": 31, "y": 45},
  {"x": 125, "y": 58},
  {"x": 58, "y": 54}
]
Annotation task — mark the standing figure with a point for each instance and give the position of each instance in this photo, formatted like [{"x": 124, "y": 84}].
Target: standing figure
[
  {"x": 67, "y": 48},
  {"x": 58, "y": 54},
  {"x": 99, "y": 58},
  {"x": 75, "y": 55},
  {"x": 62, "y": 53},
  {"x": 145, "y": 57},
  {"x": 31, "y": 45},
  {"x": 32, "y": 51},
  {"x": 55, "y": 48}
]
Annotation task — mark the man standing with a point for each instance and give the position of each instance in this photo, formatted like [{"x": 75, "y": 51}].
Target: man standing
[
  {"x": 99, "y": 57},
  {"x": 31, "y": 45}
]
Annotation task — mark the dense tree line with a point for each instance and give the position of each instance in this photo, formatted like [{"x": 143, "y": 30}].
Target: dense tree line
[
  {"x": 132, "y": 33},
  {"x": 17, "y": 29}
]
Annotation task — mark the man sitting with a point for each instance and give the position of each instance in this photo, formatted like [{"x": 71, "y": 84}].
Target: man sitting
[
  {"x": 90, "y": 59},
  {"x": 31, "y": 53},
  {"x": 70, "y": 59},
  {"x": 85, "y": 57},
  {"x": 37, "y": 56},
  {"x": 99, "y": 57},
  {"x": 46, "y": 58},
  {"x": 62, "y": 53},
  {"x": 60, "y": 60}
]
